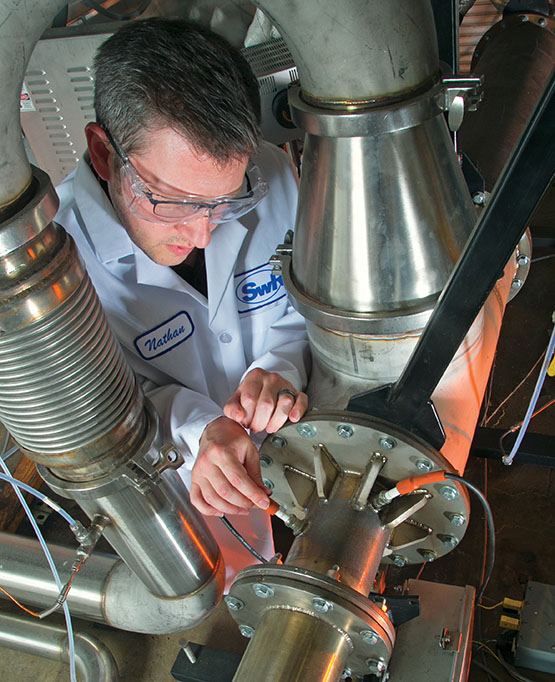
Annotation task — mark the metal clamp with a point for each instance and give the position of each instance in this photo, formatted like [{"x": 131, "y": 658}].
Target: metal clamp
[{"x": 461, "y": 93}]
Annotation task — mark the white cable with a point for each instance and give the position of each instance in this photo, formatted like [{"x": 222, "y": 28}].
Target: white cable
[
  {"x": 508, "y": 459},
  {"x": 10, "y": 452},
  {"x": 53, "y": 568}
]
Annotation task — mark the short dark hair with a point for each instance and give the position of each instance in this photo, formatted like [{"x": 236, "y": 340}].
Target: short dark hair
[{"x": 156, "y": 72}]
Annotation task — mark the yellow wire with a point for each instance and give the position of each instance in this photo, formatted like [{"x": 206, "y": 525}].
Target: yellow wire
[
  {"x": 481, "y": 645},
  {"x": 489, "y": 608},
  {"x": 32, "y": 613}
]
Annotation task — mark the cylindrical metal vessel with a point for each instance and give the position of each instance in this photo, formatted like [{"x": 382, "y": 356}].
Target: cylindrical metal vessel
[
  {"x": 105, "y": 590},
  {"x": 308, "y": 649},
  {"x": 93, "y": 660}
]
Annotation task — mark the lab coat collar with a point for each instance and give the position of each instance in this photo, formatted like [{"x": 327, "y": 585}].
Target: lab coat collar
[{"x": 107, "y": 234}]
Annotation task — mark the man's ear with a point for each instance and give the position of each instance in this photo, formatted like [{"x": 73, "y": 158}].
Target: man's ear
[{"x": 99, "y": 150}]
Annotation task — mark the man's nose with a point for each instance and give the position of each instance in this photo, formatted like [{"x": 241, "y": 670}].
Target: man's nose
[{"x": 198, "y": 231}]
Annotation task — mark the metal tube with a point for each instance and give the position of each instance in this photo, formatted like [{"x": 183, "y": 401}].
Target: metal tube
[
  {"x": 378, "y": 49},
  {"x": 93, "y": 659},
  {"x": 306, "y": 649},
  {"x": 104, "y": 591}
]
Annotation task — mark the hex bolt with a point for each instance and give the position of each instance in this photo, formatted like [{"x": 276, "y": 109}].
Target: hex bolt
[
  {"x": 322, "y": 605},
  {"x": 269, "y": 484},
  {"x": 522, "y": 259},
  {"x": 449, "y": 540},
  {"x": 387, "y": 443},
  {"x": 479, "y": 198},
  {"x": 448, "y": 492},
  {"x": 399, "y": 560},
  {"x": 246, "y": 631},
  {"x": 233, "y": 604},
  {"x": 346, "y": 673},
  {"x": 516, "y": 283},
  {"x": 278, "y": 442},
  {"x": 428, "y": 555},
  {"x": 306, "y": 430},
  {"x": 263, "y": 591},
  {"x": 457, "y": 519},
  {"x": 376, "y": 665},
  {"x": 369, "y": 636},
  {"x": 266, "y": 461},
  {"x": 424, "y": 465},
  {"x": 345, "y": 430}
]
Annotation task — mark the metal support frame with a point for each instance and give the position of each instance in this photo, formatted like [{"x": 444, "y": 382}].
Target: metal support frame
[
  {"x": 446, "y": 17},
  {"x": 526, "y": 177}
]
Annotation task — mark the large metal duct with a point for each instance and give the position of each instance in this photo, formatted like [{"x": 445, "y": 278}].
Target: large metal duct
[{"x": 67, "y": 395}]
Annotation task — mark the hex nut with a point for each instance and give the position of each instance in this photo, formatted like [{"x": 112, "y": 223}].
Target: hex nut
[
  {"x": 306, "y": 430},
  {"x": 322, "y": 605},
  {"x": 387, "y": 443},
  {"x": 369, "y": 636},
  {"x": 345, "y": 430},
  {"x": 266, "y": 461},
  {"x": 424, "y": 465},
  {"x": 448, "y": 492},
  {"x": 278, "y": 441},
  {"x": 233, "y": 604},
  {"x": 263, "y": 591},
  {"x": 246, "y": 631},
  {"x": 399, "y": 560},
  {"x": 268, "y": 483},
  {"x": 457, "y": 519}
]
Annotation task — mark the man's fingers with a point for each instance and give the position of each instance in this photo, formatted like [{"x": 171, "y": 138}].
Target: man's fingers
[
  {"x": 299, "y": 408},
  {"x": 287, "y": 408},
  {"x": 234, "y": 410}
]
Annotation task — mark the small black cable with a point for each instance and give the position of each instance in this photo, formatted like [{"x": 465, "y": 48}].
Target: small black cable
[
  {"x": 490, "y": 549},
  {"x": 116, "y": 15},
  {"x": 242, "y": 540}
]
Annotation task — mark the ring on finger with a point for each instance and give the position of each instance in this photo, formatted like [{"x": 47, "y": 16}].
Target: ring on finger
[{"x": 287, "y": 391}]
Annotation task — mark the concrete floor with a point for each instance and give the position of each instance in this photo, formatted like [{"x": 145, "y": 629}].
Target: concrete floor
[{"x": 521, "y": 497}]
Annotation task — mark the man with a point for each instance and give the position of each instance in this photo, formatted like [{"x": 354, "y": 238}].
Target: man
[{"x": 176, "y": 225}]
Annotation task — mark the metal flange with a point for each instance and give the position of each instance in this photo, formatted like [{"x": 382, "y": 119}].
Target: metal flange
[{"x": 290, "y": 468}]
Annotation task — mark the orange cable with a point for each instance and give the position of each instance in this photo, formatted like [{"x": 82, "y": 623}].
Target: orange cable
[{"x": 32, "y": 613}]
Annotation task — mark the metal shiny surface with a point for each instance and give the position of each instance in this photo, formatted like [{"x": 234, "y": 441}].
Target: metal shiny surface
[
  {"x": 105, "y": 590},
  {"x": 377, "y": 53},
  {"x": 292, "y": 473},
  {"x": 393, "y": 211},
  {"x": 307, "y": 649},
  {"x": 31, "y": 220},
  {"x": 93, "y": 660}
]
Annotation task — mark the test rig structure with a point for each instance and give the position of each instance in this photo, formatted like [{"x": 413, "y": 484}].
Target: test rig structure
[{"x": 403, "y": 287}]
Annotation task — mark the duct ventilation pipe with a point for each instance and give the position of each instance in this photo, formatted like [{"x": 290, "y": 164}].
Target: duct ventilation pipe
[{"x": 67, "y": 395}]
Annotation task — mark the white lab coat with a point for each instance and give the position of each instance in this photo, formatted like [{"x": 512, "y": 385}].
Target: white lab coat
[{"x": 191, "y": 353}]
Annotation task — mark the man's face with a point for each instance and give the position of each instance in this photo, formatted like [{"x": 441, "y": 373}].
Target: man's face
[{"x": 169, "y": 166}]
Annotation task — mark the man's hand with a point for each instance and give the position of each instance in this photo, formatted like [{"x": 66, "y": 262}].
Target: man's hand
[
  {"x": 263, "y": 401},
  {"x": 226, "y": 477}
]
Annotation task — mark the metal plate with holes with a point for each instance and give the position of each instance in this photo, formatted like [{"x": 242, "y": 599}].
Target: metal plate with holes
[
  {"x": 348, "y": 611},
  {"x": 288, "y": 467}
]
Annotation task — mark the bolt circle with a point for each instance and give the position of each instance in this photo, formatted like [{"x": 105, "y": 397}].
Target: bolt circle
[
  {"x": 369, "y": 636},
  {"x": 306, "y": 430},
  {"x": 322, "y": 605},
  {"x": 387, "y": 443},
  {"x": 263, "y": 591},
  {"x": 246, "y": 631},
  {"x": 399, "y": 560},
  {"x": 266, "y": 461},
  {"x": 424, "y": 465},
  {"x": 457, "y": 519},
  {"x": 448, "y": 492},
  {"x": 278, "y": 442},
  {"x": 345, "y": 430},
  {"x": 269, "y": 484},
  {"x": 233, "y": 604}
]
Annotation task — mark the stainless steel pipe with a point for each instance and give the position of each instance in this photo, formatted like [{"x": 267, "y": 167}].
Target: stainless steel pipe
[
  {"x": 105, "y": 590},
  {"x": 93, "y": 660}
]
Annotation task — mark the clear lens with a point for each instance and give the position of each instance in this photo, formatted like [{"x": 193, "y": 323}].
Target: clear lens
[{"x": 156, "y": 208}]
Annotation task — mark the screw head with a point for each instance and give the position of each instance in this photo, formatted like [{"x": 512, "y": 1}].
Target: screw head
[
  {"x": 375, "y": 665},
  {"x": 278, "y": 441},
  {"x": 369, "y": 636},
  {"x": 457, "y": 519},
  {"x": 449, "y": 540},
  {"x": 516, "y": 283},
  {"x": 522, "y": 259},
  {"x": 269, "y": 484},
  {"x": 479, "y": 198},
  {"x": 424, "y": 465},
  {"x": 387, "y": 443},
  {"x": 399, "y": 560},
  {"x": 428, "y": 555},
  {"x": 263, "y": 591},
  {"x": 322, "y": 605},
  {"x": 246, "y": 631},
  {"x": 306, "y": 430},
  {"x": 266, "y": 461},
  {"x": 448, "y": 492},
  {"x": 233, "y": 604},
  {"x": 346, "y": 673},
  {"x": 345, "y": 430}
]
